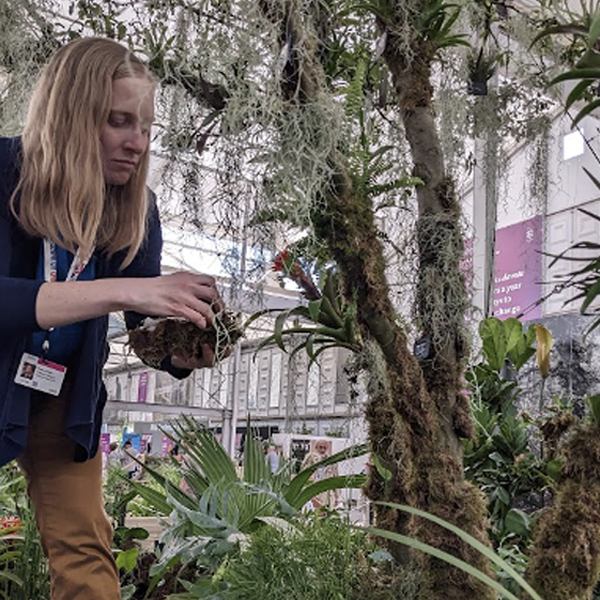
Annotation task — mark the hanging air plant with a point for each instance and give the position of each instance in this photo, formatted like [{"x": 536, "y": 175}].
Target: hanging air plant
[{"x": 481, "y": 68}]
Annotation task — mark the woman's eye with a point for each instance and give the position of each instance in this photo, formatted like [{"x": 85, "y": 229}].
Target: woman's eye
[{"x": 117, "y": 120}]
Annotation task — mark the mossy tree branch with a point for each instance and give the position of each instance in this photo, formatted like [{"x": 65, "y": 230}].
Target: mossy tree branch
[{"x": 411, "y": 432}]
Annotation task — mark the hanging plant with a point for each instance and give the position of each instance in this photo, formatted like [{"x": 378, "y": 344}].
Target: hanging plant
[{"x": 480, "y": 68}]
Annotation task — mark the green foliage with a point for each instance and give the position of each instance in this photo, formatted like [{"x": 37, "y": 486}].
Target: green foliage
[
  {"x": 373, "y": 171},
  {"x": 125, "y": 540},
  {"x": 327, "y": 321},
  {"x": 586, "y": 279},
  {"x": 513, "y": 555},
  {"x": 506, "y": 340},
  {"x": 435, "y": 24},
  {"x": 593, "y": 405},
  {"x": 321, "y": 558},
  {"x": 585, "y": 29},
  {"x": 23, "y": 566},
  {"x": 220, "y": 508},
  {"x": 499, "y": 460}
]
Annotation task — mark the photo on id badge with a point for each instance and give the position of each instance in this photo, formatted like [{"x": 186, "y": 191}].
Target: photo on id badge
[{"x": 39, "y": 374}]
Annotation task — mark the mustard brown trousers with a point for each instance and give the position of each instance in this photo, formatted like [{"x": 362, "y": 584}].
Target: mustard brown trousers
[{"x": 69, "y": 509}]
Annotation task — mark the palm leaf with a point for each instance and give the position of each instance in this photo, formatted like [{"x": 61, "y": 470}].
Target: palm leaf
[
  {"x": 328, "y": 485},
  {"x": 203, "y": 450},
  {"x": 297, "y": 484}
]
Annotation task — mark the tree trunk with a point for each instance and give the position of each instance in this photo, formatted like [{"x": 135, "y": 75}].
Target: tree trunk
[{"x": 415, "y": 411}]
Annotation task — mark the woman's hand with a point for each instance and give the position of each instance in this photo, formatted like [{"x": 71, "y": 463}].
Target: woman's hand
[{"x": 187, "y": 295}]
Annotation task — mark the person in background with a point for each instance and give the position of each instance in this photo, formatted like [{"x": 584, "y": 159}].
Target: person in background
[
  {"x": 80, "y": 237},
  {"x": 272, "y": 458},
  {"x": 128, "y": 460},
  {"x": 114, "y": 456},
  {"x": 320, "y": 450}
]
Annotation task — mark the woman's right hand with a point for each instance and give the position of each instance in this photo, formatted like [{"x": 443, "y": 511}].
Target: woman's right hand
[{"x": 182, "y": 294}]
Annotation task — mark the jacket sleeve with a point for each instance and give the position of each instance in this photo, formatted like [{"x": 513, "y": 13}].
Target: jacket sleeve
[
  {"x": 147, "y": 261},
  {"x": 17, "y": 305},
  {"x": 18, "y": 254},
  {"x": 18, "y": 294}
]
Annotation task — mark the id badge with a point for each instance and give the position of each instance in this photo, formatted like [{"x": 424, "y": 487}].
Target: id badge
[{"x": 39, "y": 374}]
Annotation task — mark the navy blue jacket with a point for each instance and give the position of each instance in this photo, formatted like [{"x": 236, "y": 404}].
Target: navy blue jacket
[{"x": 19, "y": 254}]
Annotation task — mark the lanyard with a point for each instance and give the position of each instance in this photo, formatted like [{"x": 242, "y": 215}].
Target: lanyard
[{"x": 78, "y": 264}]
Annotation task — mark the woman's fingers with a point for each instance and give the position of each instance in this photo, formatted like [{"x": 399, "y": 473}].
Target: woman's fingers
[{"x": 189, "y": 295}]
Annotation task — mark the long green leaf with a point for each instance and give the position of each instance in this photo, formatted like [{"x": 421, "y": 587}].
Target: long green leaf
[
  {"x": 299, "y": 482},
  {"x": 256, "y": 469},
  {"x": 441, "y": 555},
  {"x": 594, "y": 31},
  {"x": 472, "y": 541},
  {"x": 595, "y": 180},
  {"x": 590, "y": 59},
  {"x": 586, "y": 73},
  {"x": 590, "y": 214},
  {"x": 577, "y": 92},
  {"x": 590, "y": 296},
  {"x": 154, "y": 498},
  {"x": 567, "y": 29},
  {"x": 327, "y": 485},
  {"x": 584, "y": 112}
]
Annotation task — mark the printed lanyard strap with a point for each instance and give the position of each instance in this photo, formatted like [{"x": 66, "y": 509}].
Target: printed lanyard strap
[{"x": 78, "y": 263}]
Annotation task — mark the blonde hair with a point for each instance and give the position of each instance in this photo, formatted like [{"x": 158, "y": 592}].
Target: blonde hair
[{"x": 62, "y": 193}]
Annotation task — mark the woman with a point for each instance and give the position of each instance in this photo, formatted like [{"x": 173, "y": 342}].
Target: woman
[{"x": 79, "y": 238}]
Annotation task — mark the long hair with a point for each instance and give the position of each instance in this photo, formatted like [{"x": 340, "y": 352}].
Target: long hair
[{"x": 61, "y": 193}]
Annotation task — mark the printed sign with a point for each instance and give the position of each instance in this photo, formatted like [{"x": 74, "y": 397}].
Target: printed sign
[
  {"x": 518, "y": 270},
  {"x": 143, "y": 387},
  {"x": 105, "y": 443}
]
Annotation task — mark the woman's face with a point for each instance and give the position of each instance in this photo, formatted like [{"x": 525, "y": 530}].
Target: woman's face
[{"x": 125, "y": 136}]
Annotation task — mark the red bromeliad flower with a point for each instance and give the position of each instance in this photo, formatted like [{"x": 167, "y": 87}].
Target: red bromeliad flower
[
  {"x": 11, "y": 522},
  {"x": 280, "y": 260},
  {"x": 284, "y": 263}
]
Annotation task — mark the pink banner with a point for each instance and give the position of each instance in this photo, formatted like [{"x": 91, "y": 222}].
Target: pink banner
[
  {"x": 518, "y": 270},
  {"x": 143, "y": 387},
  {"x": 166, "y": 446},
  {"x": 146, "y": 441},
  {"x": 105, "y": 443}
]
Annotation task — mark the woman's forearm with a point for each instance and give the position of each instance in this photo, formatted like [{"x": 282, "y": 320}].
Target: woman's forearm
[
  {"x": 63, "y": 303},
  {"x": 182, "y": 294}
]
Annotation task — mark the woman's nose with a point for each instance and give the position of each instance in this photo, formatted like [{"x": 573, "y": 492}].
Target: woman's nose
[{"x": 136, "y": 141}]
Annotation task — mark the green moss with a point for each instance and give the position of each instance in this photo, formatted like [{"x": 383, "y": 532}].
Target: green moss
[{"x": 565, "y": 563}]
